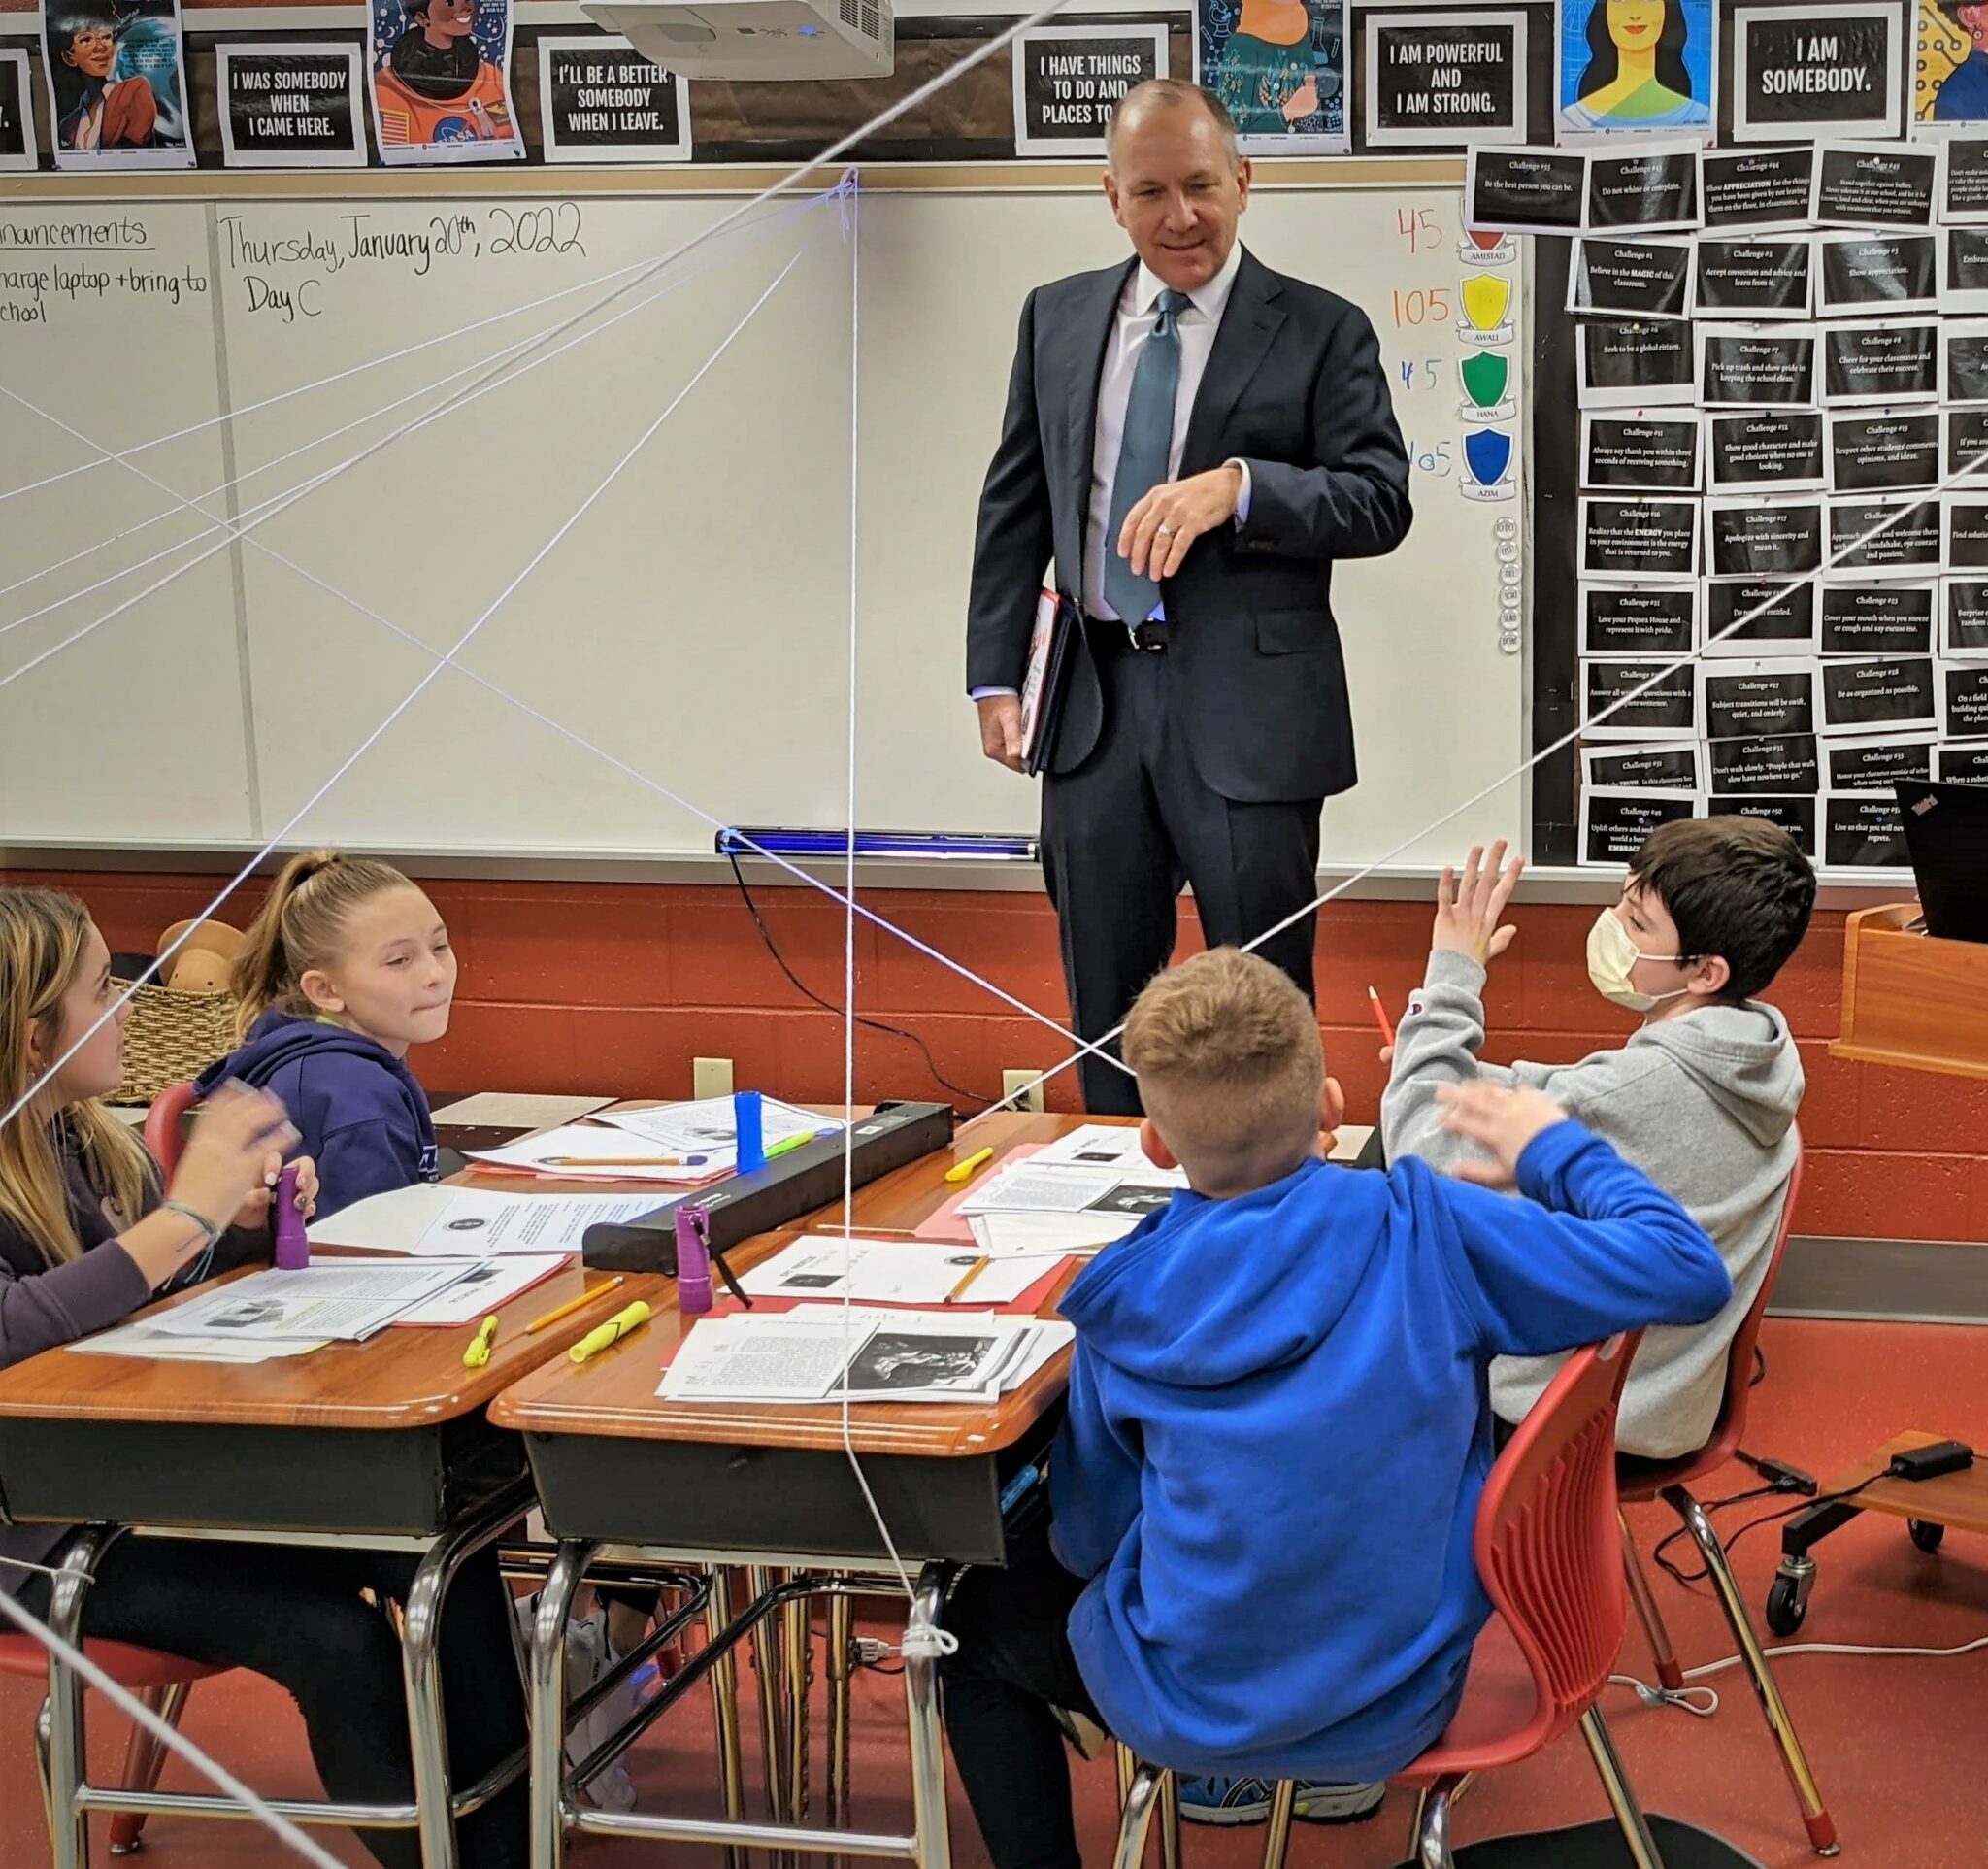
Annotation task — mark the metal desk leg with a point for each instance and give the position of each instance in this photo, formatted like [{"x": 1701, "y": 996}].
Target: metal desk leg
[
  {"x": 420, "y": 1640},
  {"x": 69, "y": 1827},
  {"x": 797, "y": 1658},
  {"x": 932, "y": 1843},
  {"x": 725, "y": 1699},
  {"x": 842, "y": 1620},
  {"x": 547, "y": 1741},
  {"x": 772, "y": 1751}
]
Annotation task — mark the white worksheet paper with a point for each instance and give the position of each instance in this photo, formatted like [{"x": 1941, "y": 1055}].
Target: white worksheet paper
[
  {"x": 903, "y": 1272},
  {"x": 335, "y": 1299},
  {"x": 591, "y": 1143}
]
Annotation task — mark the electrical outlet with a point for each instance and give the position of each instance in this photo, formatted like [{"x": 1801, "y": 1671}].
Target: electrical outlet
[
  {"x": 1012, "y": 1081},
  {"x": 711, "y": 1077}
]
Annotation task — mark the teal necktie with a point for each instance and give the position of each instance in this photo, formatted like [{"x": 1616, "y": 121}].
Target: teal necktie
[{"x": 1142, "y": 454}]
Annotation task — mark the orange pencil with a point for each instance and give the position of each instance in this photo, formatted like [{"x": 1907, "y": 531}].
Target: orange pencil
[
  {"x": 573, "y": 1304},
  {"x": 1381, "y": 1017}
]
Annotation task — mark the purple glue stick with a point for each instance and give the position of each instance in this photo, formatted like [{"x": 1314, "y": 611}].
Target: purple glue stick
[
  {"x": 693, "y": 1265},
  {"x": 292, "y": 1245}
]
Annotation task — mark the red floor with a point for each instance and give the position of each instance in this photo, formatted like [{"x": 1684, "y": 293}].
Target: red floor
[{"x": 1898, "y": 1744}]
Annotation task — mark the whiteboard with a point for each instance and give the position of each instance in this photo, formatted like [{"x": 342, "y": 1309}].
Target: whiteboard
[{"x": 694, "y": 622}]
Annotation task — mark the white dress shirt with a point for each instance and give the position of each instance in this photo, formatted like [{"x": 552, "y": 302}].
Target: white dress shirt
[{"x": 1138, "y": 312}]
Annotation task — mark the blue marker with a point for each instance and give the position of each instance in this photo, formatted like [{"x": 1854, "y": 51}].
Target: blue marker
[
  {"x": 1017, "y": 1487},
  {"x": 751, "y": 1134}
]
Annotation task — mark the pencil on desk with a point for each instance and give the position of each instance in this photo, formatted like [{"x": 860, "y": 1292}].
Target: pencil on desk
[
  {"x": 619, "y": 1161},
  {"x": 573, "y": 1304},
  {"x": 972, "y": 1272}
]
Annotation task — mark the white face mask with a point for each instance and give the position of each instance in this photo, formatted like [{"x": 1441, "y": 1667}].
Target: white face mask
[{"x": 1611, "y": 955}]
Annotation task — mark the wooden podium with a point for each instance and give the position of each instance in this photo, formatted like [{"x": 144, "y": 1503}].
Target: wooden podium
[{"x": 1911, "y": 1000}]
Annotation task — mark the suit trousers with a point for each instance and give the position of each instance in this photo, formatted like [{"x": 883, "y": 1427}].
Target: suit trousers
[{"x": 1126, "y": 829}]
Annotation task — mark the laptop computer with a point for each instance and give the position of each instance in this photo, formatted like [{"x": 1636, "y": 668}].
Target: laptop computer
[{"x": 1947, "y": 833}]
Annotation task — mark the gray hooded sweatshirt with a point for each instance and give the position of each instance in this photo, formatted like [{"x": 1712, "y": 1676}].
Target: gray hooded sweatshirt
[{"x": 1702, "y": 1103}]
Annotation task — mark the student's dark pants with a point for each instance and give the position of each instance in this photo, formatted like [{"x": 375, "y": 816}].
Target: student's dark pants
[
  {"x": 296, "y": 1616},
  {"x": 1013, "y": 1665},
  {"x": 1127, "y": 828}
]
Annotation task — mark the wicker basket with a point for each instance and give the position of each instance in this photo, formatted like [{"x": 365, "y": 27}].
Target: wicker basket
[{"x": 172, "y": 1037}]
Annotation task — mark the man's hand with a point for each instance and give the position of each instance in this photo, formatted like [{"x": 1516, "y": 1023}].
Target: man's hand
[
  {"x": 1001, "y": 729},
  {"x": 1501, "y": 1120},
  {"x": 1467, "y": 913},
  {"x": 1158, "y": 530}
]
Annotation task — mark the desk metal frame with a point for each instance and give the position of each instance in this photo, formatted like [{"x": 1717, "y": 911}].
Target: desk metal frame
[{"x": 436, "y": 1805}]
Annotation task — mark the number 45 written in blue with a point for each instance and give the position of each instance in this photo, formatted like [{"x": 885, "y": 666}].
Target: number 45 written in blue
[{"x": 1425, "y": 372}]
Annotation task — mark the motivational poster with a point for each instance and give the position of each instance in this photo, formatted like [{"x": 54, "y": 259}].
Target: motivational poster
[
  {"x": 1758, "y": 616},
  {"x": 1636, "y": 362},
  {"x": 1067, "y": 81},
  {"x": 1761, "y": 190},
  {"x": 1964, "y": 700},
  {"x": 1772, "y": 368},
  {"x": 1638, "y": 620},
  {"x": 1882, "y": 362},
  {"x": 1889, "y": 451},
  {"x": 1966, "y": 455},
  {"x": 1875, "y": 619},
  {"x": 1878, "y": 537},
  {"x": 290, "y": 104},
  {"x": 1964, "y": 616},
  {"x": 1630, "y": 277},
  {"x": 1615, "y": 824},
  {"x": 1765, "y": 765},
  {"x": 1868, "y": 695},
  {"x": 1654, "y": 450},
  {"x": 1863, "y": 830},
  {"x": 1526, "y": 190},
  {"x": 1752, "y": 700},
  {"x": 1653, "y": 186},
  {"x": 1749, "y": 537},
  {"x": 1442, "y": 80},
  {"x": 1286, "y": 98},
  {"x": 1878, "y": 273},
  {"x": 1964, "y": 284},
  {"x": 1766, "y": 447},
  {"x": 1614, "y": 81},
  {"x": 601, "y": 101},
  {"x": 1614, "y": 709},
  {"x": 1966, "y": 532},
  {"x": 1754, "y": 276},
  {"x": 1876, "y": 185},
  {"x": 1963, "y": 179},
  {"x": 1662, "y": 768},
  {"x": 1830, "y": 69},
  {"x": 1875, "y": 763},
  {"x": 116, "y": 77},
  {"x": 440, "y": 81},
  {"x": 1639, "y": 538},
  {"x": 1962, "y": 765},
  {"x": 1795, "y": 815},
  {"x": 16, "y": 113},
  {"x": 1965, "y": 348}
]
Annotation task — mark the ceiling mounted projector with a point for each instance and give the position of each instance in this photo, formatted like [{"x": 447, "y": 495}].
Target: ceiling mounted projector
[{"x": 755, "y": 39}]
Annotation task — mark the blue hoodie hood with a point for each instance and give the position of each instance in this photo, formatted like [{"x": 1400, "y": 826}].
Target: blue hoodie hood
[
  {"x": 1278, "y": 1433},
  {"x": 361, "y": 1115}
]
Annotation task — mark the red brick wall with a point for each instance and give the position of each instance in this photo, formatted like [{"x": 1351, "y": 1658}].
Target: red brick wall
[{"x": 613, "y": 988}]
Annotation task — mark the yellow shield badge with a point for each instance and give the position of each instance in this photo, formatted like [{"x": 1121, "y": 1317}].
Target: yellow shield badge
[{"x": 1487, "y": 308}]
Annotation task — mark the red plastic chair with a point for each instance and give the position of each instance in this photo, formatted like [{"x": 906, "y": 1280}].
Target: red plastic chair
[
  {"x": 1638, "y": 1481},
  {"x": 161, "y": 1680},
  {"x": 1550, "y": 1552},
  {"x": 165, "y": 1126}
]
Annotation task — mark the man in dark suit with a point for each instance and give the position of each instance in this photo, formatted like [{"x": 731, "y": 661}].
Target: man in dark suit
[{"x": 1194, "y": 439}]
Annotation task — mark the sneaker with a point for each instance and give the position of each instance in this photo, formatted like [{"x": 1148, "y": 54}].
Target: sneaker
[{"x": 1246, "y": 1800}]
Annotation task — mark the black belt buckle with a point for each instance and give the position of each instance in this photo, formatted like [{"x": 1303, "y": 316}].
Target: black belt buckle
[{"x": 1146, "y": 636}]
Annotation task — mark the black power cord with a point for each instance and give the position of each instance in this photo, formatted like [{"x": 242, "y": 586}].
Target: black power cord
[{"x": 808, "y": 992}]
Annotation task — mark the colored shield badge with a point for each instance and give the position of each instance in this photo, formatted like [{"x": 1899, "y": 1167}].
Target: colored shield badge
[
  {"x": 1487, "y": 298},
  {"x": 1487, "y": 465},
  {"x": 1484, "y": 378}
]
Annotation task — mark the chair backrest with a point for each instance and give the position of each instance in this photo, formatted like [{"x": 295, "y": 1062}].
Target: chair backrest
[
  {"x": 1731, "y": 1430},
  {"x": 1548, "y": 1547},
  {"x": 163, "y": 1123}
]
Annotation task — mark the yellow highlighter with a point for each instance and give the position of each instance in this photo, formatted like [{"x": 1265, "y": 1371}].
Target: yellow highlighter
[
  {"x": 964, "y": 1171},
  {"x": 478, "y": 1355},
  {"x": 612, "y": 1332}
]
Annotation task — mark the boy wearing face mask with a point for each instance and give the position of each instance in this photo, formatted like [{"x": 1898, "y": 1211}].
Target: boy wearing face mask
[{"x": 1702, "y": 1098}]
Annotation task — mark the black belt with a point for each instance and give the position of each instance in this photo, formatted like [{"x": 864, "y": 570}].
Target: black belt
[{"x": 1107, "y": 635}]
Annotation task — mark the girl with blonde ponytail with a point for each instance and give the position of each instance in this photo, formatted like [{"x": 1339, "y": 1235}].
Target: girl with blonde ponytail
[{"x": 346, "y": 966}]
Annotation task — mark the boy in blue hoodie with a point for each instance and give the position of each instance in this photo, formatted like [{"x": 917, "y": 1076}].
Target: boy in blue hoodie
[
  {"x": 346, "y": 966},
  {"x": 1259, "y": 1564}
]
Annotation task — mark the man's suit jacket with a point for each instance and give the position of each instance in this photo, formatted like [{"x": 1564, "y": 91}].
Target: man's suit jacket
[{"x": 1294, "y": 385}]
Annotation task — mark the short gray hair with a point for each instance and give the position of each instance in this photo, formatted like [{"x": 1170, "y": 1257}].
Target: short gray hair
[{"x": 1172, "y": 93}]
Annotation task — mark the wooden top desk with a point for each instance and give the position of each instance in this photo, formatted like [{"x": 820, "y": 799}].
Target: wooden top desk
[{"x": 616, "y": 1462}]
